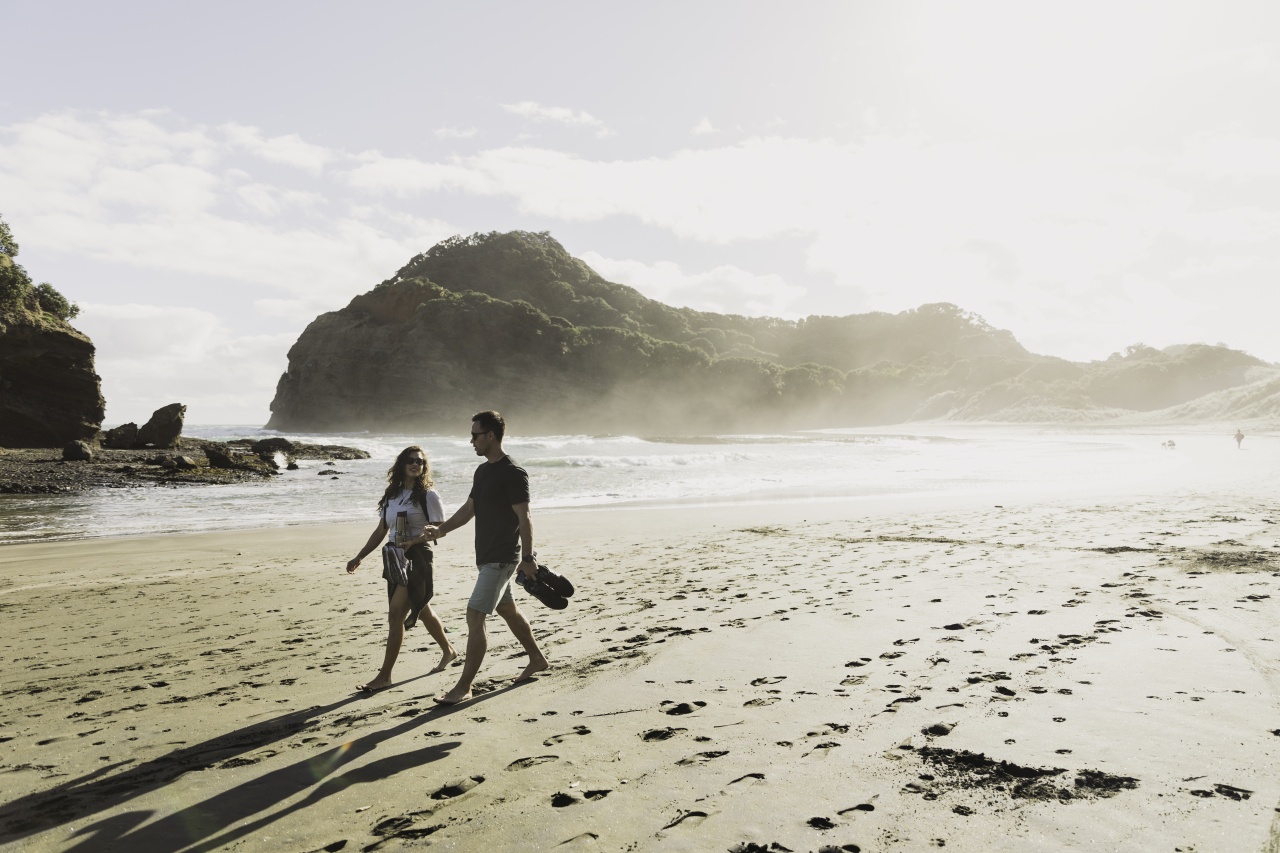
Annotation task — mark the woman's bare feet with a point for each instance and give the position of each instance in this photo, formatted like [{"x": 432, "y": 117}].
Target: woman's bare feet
[
  {"x": 375, "y": 686},
  {"x": 445, "y": 659},
  {"x": 534, "y": 667},
  {"x": 453, "y": 698}
]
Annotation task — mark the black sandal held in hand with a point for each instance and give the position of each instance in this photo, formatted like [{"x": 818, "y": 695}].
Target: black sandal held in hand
[
  {"x": 542, "y": 592},
  {"x": 559, "y": 583}
]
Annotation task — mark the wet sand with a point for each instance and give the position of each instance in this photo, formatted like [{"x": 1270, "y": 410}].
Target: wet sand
[{"x": 1046, "y": 674}]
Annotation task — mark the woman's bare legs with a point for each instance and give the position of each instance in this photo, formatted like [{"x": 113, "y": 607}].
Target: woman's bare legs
[
  {"x": 396, "y": 611},
  {"x": 436, "y": 629}
]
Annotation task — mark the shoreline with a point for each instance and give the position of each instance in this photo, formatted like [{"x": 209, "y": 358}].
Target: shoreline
[{"x": 1057, "y": 464}]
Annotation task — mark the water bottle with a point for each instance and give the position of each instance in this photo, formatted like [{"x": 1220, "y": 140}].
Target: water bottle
[{"x": 402, "y": 527}]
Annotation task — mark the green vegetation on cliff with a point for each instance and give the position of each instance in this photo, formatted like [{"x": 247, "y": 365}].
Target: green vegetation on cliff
[
  {"x": 19, "y": 297},
  {"x": 512, "y": 321}
]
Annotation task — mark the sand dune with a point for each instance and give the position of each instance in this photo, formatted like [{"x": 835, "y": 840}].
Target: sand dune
[{"x": 1041, "y": 675}]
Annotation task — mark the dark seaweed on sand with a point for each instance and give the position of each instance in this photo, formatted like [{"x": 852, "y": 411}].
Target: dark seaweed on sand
[{"x": 964, "y": 770}]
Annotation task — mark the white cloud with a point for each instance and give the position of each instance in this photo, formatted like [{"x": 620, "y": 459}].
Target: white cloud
[
  {"x": 559, "y": 115},
  {"x": 704, "y": 127},
  {"x": 456, "y": 132},
  {"x": 1229, "y": 155},
  {"x": 289, "y": 150},
  {"x": 724, "y": 289},
  {"x": 132, "y": 190}
]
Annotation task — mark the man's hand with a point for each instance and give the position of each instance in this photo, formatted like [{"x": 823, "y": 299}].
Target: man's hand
[
  {"x": 530, "y": 569},
  {"x": 433, "y": 532},
  {"x": 353, "y": 565}
]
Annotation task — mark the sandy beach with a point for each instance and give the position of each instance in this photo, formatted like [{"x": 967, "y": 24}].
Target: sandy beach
[{"x": 1033, "y": 674}]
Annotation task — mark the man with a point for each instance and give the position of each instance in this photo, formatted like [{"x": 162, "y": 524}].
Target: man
[{"x": 499, "y": 502}]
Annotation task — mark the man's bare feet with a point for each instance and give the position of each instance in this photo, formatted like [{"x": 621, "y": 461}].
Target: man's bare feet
[
  {"x": 375, "y": 686},
  {"x": 534, "y": 667},
  {"x": 445, "y": 659},
  {"x": 452, "y": 698}
]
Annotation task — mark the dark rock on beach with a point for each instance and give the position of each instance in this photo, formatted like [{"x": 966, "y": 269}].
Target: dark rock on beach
[
  {"x": 34, "y": 471},
  {"x": 77, "y": 451},
  {"x": 123, "y": 437},
  {"x": 164, "y": 429}
]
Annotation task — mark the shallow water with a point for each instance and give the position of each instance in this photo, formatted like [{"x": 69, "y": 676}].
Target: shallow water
[{"x": 590, "y": 471}]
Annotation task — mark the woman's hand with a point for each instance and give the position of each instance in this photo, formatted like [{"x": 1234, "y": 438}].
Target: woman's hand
[{"x": 353, "y": 565}]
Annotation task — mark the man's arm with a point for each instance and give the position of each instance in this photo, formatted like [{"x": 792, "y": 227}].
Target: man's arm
[
  {"x": 528, "y": 564},
  {"x": 465, "y": 513}
]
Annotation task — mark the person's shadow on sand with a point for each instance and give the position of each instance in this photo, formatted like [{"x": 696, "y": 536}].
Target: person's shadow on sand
[{"x": 219, "y": 819}]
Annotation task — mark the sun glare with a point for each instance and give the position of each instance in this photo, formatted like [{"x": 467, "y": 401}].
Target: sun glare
[{"x": 1028, "y": 69}]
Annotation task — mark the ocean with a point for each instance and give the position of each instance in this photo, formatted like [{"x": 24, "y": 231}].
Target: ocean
[{"x": 583, "y": 471}]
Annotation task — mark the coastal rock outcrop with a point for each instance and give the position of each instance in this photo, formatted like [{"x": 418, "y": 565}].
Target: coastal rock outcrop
[{"x": 49, "y": 392}]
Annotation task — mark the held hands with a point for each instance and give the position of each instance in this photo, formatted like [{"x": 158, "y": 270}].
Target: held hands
[{"x": 433, "y": 532}]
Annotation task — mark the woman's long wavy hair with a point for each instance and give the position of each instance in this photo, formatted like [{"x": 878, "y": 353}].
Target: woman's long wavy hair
[{"x": 396, "y": 479}]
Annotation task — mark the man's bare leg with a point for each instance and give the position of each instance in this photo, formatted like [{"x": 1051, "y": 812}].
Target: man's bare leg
[
  {"x": 397, "y": 609},
  {"x": 520, "y": 628},
  {"x": 477, "y": 645},
  {"x": 436, "y": 629}
]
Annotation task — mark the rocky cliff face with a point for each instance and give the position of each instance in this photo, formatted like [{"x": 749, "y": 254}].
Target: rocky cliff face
[{"x": 49, "y": 392}]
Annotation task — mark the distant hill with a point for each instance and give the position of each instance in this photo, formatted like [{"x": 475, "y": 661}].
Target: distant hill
[{"x": 512, "y": 321}]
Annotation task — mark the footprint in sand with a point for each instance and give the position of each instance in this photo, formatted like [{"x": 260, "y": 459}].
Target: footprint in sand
[
  {"x": 661, "y": 734},
  {"x": 683, "y": 708},
  {"x": 457, "y": 788},
  {"x": 760, "y": 703},
  {"x": 769, "y": 679},
  {"x": 703, "y": 757},
  {"x": 692, "y": 818},
  {"x": 555, "y": 739},
  {"x": 525, "y": 763},
  {"x": 860, "y": 807}
]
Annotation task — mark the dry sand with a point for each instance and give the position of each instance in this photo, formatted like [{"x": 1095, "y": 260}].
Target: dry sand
[{"x": 1048, "y": 674}]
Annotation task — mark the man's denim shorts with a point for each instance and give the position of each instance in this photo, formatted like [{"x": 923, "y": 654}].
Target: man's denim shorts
[{"x": 493, "y": 587}]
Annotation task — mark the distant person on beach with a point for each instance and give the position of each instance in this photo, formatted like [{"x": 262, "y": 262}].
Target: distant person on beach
[
  {"x": 1239, "y": 438},
  {"x": 410, "y": 498},
  {"x": 499, "y": 502}
]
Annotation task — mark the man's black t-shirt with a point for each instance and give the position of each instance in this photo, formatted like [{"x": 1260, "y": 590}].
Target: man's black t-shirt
[{"x": 494, "y": 489}]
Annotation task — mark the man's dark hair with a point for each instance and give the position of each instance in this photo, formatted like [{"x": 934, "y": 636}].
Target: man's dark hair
[{"x": 490, "y": 421}]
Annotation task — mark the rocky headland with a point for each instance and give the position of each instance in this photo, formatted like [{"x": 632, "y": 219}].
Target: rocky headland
[
  {"x": 512, "y": 321},
  {"x": 50, "y": 393}
]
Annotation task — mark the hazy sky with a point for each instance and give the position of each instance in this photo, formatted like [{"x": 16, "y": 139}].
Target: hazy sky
[{"x": 204, "y": 179}]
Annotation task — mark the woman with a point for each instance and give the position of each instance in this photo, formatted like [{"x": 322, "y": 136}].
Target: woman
[{"x": 408, "y": 491}]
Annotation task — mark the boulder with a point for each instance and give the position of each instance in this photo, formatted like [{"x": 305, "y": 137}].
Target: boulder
[
  {"x": 164, "y": 428},
  {"x": 271, "y": 446},
  {"x": 123, "y": 437},
  {"x": 185, "y": 463},
  {"x": 77, "y": 451},
  {"x": 220, "y": 457}
]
